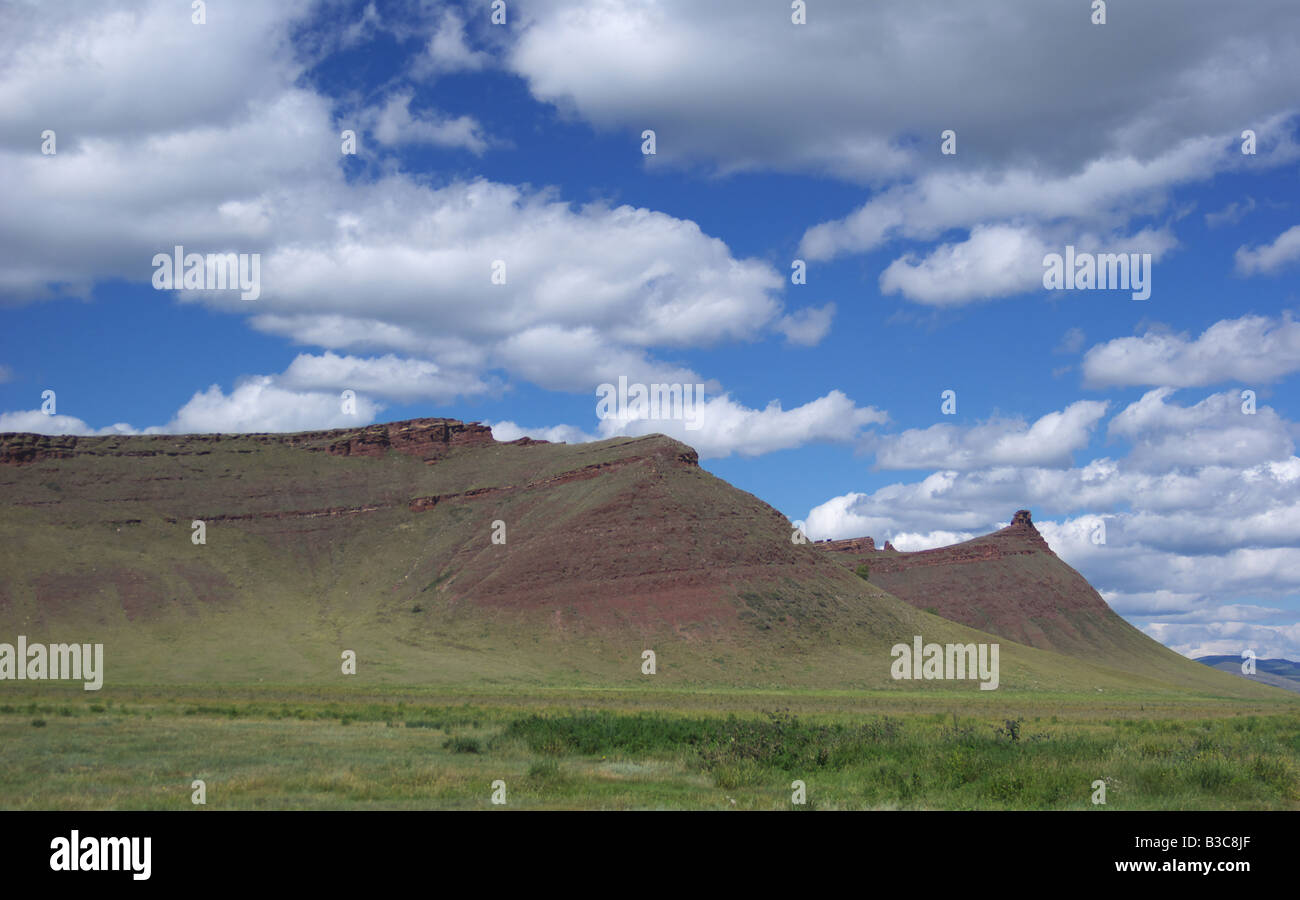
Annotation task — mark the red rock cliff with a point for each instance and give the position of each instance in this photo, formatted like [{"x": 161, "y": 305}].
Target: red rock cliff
[
  {"x": 426, "y": 438},
  {"x": 1008, "y": 582}
]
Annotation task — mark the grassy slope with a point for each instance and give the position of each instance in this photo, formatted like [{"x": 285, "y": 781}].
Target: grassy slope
[
  {"x": 1102, "y": 636},
  {"x": 653, "y": 553},
  {"x": 1031, "y": 596}
]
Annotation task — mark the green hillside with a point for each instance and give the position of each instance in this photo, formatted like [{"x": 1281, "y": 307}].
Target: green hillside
[{"x": 379, "y": 541}]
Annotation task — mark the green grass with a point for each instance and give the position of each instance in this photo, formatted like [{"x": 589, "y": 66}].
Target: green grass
[{"x": 285, "y": 747}]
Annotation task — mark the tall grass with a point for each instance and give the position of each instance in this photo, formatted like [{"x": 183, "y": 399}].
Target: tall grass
[
  {"x": 282, "y": 748},
  {"x": 884, "y": 761}
]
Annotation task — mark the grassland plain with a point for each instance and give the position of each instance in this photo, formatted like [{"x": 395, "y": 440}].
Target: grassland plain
[{"x": 287, "y": 747}]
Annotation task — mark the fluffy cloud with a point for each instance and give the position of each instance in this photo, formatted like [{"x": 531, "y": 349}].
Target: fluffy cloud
[
  {"x": 363, "y": 28},
  {"x": 994, "y": 261},
  {"x": 258, "y": 404},
  {"x": 807, "y": 326},
  {"x": 1228, "y": 639},
  {"x": 607, "y": 280},
  {"x": 1231, "y": 214},
  {"x": 393, "y": 123},
  {"x": 1269, "y": 258},
  {"x": 726, "y": 427},
  {"x": 739, "y": 86},
  {"x": 307, "y": 396},
  {"x": 34, "y": 421},
  {"x": 856, "y": 101},
  {"x": 1213, "y": 507},
  {"x": 556, "y": 434},
  {"x": 1144, "y": 603},
  {"x": 1185, "y": 503},
  {"x": 255, "y": 405},
  {"x": 1236, "y": 546},
  {"x": 999, "y": 261},
  {"x": 121, "y": 69},
  {"x": 389, "y": 264},
  {"x": 720, "y": 426},
  {"x": 1215, "y": 431},
  {"x": 448, "y": 50},
  {"x": 1104, "y": 193},
  {"x": 910, "y": 542},
  {"x": 389, "y": 377},
  {"x": 1048, "y": 441},
  {"x": 1199, "y": 536},
  {"x": 1251, "y": 350},
  {"x": 1002, "y": 260},
  {"x": 579, "y": 359}
]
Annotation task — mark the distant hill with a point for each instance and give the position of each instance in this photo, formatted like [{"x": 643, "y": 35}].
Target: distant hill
[
  {"x": 1281, "y": 673},
  {"x": 380, "y": 540},
  {"x": 1010, "y": 583}
]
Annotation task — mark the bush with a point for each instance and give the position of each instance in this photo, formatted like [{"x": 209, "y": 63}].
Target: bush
[
  {"x": 462, "y": 745},
  {"x": 863, "y": 571},
  {"x": 545, "y": 771},
  {"x": 779, "y": 741},
  {"x": 1010, "y": 729}
]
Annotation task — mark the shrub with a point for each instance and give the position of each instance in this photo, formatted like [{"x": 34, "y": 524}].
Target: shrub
[
  {"x": 546, "y": 771},
  {"x": 1010, "y": 729}
]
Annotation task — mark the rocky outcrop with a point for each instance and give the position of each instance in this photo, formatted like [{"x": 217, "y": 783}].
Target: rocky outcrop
[
  {"x": 1017, "y": 539},
  {"x": 425, "y": 438},
  {"x": 20, "y": 448},
  {"x": 429, "y": 439},
  {"x": 420, "y": 504},
  {"x": 1009, "y": 582},
  {"x": 852, "y": 545}
]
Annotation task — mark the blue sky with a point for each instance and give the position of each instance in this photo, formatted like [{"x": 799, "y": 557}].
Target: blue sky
[{"x": 523, "y": 142}]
